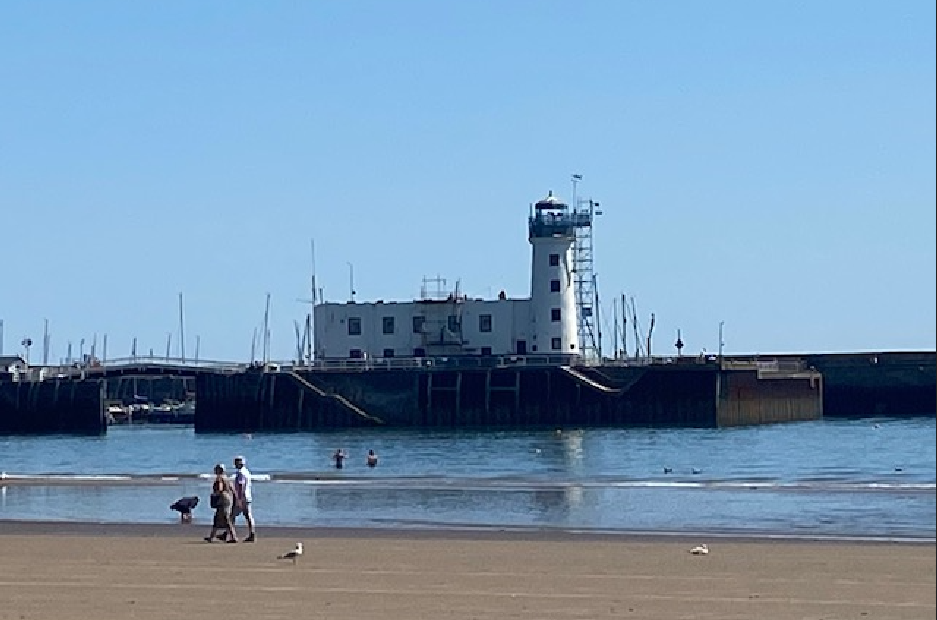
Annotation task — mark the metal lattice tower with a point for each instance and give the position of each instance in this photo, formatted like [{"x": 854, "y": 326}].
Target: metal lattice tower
[{"x": 584, "y": 211}]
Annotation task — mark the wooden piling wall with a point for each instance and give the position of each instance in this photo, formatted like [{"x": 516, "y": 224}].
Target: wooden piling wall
[
  {"x": 702, "y": 396},
  {"x": 271, "y": 401},
  {"x": 52, "y": 407}
]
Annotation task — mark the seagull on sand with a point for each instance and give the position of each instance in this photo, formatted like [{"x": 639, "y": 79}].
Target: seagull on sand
[
  {"x": 292, "y": 555},
  {"x": 700, "y": 550}
]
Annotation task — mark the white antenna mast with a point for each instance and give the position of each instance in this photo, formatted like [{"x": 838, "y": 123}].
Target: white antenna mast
[
  {"x": 587, "y": 311},
  {"x": 312, "y": 301}
]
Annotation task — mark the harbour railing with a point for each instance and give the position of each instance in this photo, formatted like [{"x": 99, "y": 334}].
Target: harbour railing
[
  {"x": 172, "y": 362},
  {"x": 450, "y": 361},
  {"x": 178, "y": 365},
  {"x": 97, "y": 368}
]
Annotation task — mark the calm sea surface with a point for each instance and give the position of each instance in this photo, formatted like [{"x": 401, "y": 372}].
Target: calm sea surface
[{"x": 837, "y": 478}]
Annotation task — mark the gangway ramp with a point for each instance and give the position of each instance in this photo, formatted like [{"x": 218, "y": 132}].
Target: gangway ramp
[
  {"x": 582, "y": 378},
  {"x": 607, "y": 379},
  {"x": 341, "y": 400}
]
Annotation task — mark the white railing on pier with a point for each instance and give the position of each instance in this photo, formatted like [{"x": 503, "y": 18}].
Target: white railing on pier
[
  {"x": 99, "y": 367},
  {"x": 766, "y": 366},
  {"x": 412, "y": 363},
  {"x": 173, "y": 365},
  {"x": 655, "y": 360},
  {"x": 173, "y": 362}
]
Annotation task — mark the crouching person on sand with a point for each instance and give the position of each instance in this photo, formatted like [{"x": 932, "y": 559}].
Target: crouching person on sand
[{"x": 222, "y": 500}]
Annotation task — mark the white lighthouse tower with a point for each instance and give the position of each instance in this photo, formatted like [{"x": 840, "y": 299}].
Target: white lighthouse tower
[{"x": 552, "y": 233}]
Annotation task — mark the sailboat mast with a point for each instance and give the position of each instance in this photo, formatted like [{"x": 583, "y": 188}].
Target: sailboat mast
[
  {"x": 45, "y": 343},
  {"x": 312, "y": 303},
  {"x": 181, "y": 330},
  {"x": 266, "y": 334},
  {"x": 624, "y": 327}
]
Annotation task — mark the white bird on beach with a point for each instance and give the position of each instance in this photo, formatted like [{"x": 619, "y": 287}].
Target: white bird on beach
[
  {"x": 292, "y": 555},
  {"x": 700, "y": 550}
]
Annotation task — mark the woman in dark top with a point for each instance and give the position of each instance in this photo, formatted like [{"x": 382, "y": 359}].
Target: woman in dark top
[{"x": 222, "y": 500}]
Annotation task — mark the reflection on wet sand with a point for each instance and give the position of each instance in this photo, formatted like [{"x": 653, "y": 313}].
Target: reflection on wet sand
[{"x": 440, "y": 502}]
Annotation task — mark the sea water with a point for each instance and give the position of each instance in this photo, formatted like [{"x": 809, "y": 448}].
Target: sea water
[{"x": 858, "y": 478}]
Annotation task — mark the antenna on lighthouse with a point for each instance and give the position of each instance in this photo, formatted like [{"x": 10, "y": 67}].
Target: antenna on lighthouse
[{"x": 583, "y": 215}]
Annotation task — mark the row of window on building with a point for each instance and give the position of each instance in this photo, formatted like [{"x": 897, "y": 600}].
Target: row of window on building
[
  {"x": 389, "y": 324},
  {"x": 556, "y": 344},
  {"x": 418, "y": 352},
  {"x": 453, "y": 323}
]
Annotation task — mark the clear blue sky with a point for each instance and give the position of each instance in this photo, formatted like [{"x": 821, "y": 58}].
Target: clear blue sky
[{"x": 766, "y": 164}]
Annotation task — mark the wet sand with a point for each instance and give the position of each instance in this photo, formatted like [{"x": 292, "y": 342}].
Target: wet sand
[{"x": 103, "y": 572}]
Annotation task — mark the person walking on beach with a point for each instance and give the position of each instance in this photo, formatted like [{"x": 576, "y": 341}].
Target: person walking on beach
[
  {"x": 243, "y": 497},
  {"x": 222, "y": 500},
  {"x": 339, "y": 458}
]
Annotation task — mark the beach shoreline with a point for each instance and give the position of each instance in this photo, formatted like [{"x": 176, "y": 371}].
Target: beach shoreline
[
  {"x": 83, "y": 570},
  {"x": 442, "y": 532}
]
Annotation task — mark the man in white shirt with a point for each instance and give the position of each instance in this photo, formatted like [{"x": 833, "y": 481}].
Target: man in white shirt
[{"x": 242, "y": 496}]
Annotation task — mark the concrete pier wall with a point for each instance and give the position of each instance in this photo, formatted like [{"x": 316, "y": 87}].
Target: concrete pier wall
[
  {"x": 746, "y": 399},
  {"x": 53, "y": 406},
  {"x": 901, "y": 383}
]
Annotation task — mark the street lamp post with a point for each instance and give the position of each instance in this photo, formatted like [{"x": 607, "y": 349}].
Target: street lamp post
[
  {"x": 27, "y": 342},
  {"x": 721, "y": 341}
]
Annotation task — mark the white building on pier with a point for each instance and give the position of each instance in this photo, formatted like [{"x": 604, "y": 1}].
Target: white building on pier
[{"x": 546, "y": 323}]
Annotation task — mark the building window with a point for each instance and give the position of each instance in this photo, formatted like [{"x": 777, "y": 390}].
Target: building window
[
  {"x": 556, "y": 344},
  {"x": 356, "y": 354},
  {"x": 354, "y": 326},
  {"x": 555, "y": 314},
  {"x": 554, "y": 286},
  {"x": 486, "y": 350},
  {"x": 554, "y": 260},
  {"x": 388, "y": 324},
  {"x": 419, "y": 352},
  {"x": 484, "y": 322},
  {"x": 452, "y": 323},
  {"x": 388, "y": 352},
  {"x": 418, "y": 324}
]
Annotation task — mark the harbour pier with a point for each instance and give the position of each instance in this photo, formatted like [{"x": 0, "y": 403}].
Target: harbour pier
[
  {"x": 507, "y": 392},
  {"x": 482, "y": 391}
]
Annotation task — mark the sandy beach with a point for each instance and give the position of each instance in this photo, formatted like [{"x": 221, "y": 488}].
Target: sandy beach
[{"x": 93, "y": 571}]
